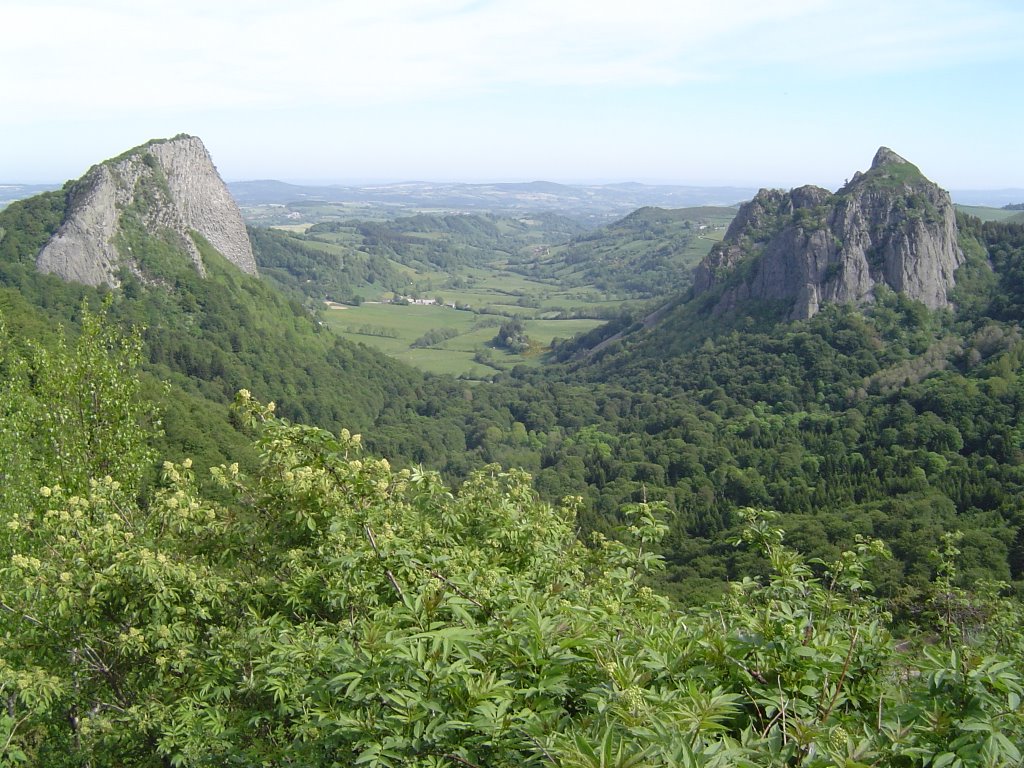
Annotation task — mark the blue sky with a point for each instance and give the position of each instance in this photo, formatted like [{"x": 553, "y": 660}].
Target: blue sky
[{"x": 750, "y": 92}]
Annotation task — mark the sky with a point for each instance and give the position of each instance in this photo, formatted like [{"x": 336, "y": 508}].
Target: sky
[{"x": 772, "y": 93}]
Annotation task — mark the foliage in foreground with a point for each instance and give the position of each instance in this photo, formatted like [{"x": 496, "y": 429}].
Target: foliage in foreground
[{"x": 329, "y": 610}]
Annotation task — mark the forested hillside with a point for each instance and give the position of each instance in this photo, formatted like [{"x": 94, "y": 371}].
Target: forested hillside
[
  {"x": 204, "y": 337},
  {"x": 645, "y": 255},
  {"x": 889, "y": 420},
  {"x": 448, "y": 241},
  {"x": 327, "y": 609},
  {"x": 319, "y": 271},
  {"x": 190, "y": 583},
  {"x": 649, "y": 253}
]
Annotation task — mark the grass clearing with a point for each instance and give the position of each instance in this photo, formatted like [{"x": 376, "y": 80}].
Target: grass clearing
[
  {"x": 392, "y": 328},
  {"x": 297, "y": 228},
  {"x": 986, "y": 213}
]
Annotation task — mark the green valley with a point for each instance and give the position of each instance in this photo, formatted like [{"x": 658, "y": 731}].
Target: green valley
[{"x": 462, "y": 275}]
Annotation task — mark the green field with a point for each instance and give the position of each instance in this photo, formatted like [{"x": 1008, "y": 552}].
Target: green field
[
  {"x": 989, "y": 214},
  {"x": 392, "y": 328}
]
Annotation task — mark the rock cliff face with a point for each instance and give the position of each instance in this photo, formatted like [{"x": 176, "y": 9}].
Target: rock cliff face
[
  {"x": 169, "y": 188},
  {"x": 890, "y": 226}
]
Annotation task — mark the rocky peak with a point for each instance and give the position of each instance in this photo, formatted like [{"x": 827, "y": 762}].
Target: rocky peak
[
  {"x": 889, "y": 226},
  {"x": 885, "y": 156},
  {"x": 170, "y": 188}
]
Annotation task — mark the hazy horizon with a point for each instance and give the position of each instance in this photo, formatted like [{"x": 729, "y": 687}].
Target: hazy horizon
[
  {"x": 981, "y": 196},
  {"x": 567, "y": 181}
]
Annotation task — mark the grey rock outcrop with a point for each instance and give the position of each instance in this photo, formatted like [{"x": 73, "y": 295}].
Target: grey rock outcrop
[
  {"x": 889, "y": 226},
  {"x": 171, "y": 188}
]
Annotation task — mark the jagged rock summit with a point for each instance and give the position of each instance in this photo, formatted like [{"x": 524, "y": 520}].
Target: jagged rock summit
[
  {"x": 168, "y": 187},
  {"x": 888, "y": 226}
]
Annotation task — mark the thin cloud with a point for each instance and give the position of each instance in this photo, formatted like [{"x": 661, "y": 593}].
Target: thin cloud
[
  {"x": 188, "y": 55},
  {"x": 653, "y": 88}
]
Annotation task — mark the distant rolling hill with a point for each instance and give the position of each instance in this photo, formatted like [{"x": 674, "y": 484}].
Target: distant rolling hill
[
  {"x": 11, "y": 192},
  {"x": 603, "y": 201},
  {"x": 649, "y": 253},
  {"x": 599, "y": 200}
]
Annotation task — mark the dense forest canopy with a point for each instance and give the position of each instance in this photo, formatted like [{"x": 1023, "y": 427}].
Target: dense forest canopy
[
  {"x": 327, "y": 609},
  {"x": 193, "y": 584},
  {"x": 888, "y": 420}
]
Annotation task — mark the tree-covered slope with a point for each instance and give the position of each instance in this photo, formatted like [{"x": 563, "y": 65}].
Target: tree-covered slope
[
  {"x": 206, "y": 336},
  {"x": 888, "y": 420},
  {"x": 649, "y": 253},
  {"x": 448, "y": 241},
  {"x": 307, "y": 603},
  {"x": 322, "y": 270},
  {"x": 328, "y": 609}
]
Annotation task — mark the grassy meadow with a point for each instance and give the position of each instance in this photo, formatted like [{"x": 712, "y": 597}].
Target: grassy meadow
[
  {"x": 986, "y": 213},
  {"x": 392, "y": 328}
]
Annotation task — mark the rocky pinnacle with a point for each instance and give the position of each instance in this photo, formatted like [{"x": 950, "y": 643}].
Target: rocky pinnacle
[
  {"x": 887, "y": 227},
  {"x": 171, "y": 188}
]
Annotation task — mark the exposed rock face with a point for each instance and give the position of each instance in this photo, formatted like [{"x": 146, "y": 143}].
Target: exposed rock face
[
  {"x": 169, "y": 187},
  {"x": 890, "y": 226}
]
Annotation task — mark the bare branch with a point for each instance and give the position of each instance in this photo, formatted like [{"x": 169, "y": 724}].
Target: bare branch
[{"x": 387, "y": 571}]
